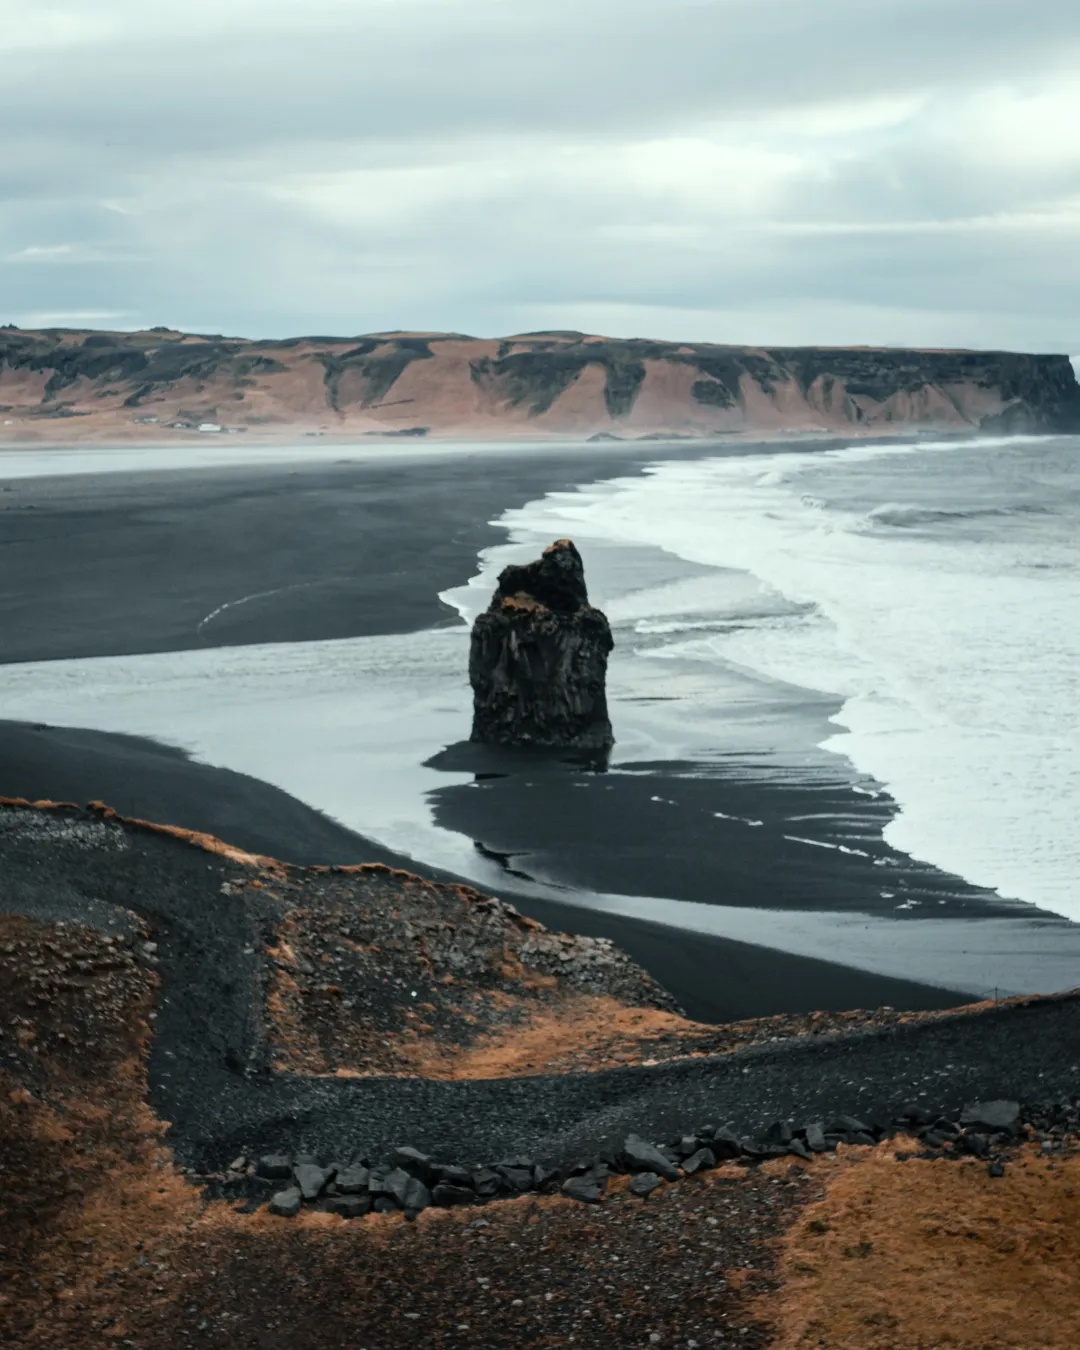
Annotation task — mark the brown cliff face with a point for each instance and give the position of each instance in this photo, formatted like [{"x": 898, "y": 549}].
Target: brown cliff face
[
  {"x": 73, "y": 385},
  {"x": 538, "y": 659}
]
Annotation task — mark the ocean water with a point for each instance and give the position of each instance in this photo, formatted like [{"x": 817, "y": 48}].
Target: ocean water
[
  {"x": 902, "y": 617},
  {"x": 934, "y": 589}
]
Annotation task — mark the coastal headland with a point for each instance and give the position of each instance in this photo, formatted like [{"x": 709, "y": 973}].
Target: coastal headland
[{"x": 74, "y": 385}]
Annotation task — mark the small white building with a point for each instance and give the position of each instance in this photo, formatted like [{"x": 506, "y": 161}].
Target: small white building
[{"x": 210, "y": 426}]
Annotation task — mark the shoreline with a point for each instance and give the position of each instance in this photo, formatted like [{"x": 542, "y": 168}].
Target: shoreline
[
  {"x": 713, "y": 978},
  {"x": 389, "y": 538}
]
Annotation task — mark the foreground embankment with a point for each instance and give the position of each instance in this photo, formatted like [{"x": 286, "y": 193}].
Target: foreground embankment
[{"x": 170, "y": 1002}]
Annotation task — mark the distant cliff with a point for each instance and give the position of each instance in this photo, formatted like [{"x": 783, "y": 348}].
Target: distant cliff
[{"x": 65, "y": 384}]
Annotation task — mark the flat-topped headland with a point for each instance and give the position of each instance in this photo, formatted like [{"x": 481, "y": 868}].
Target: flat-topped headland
[{"x": 72, "y": 385}]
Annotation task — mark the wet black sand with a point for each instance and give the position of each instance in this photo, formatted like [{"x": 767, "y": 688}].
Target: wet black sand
[
  {"x": 714, "y": 979},
  {"x": 696, "y": 831},
  {"x": 121, "y": 563}
]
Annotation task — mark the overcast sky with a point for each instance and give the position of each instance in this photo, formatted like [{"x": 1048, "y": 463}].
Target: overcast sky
[{"x": 769, "y": 171}]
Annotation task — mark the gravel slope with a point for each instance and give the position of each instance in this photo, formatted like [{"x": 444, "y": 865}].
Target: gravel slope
[{"x": 209, "y": 1064}]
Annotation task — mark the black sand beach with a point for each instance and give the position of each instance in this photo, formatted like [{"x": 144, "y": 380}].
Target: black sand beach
[{"x": 126, "y": 563}]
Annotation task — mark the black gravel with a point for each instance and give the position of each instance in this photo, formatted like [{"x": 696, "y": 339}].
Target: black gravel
[{"x": 209, "y": 1073}]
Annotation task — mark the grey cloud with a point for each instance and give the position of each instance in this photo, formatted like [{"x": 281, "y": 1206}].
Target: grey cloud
[{"x": 195, "y": 131}]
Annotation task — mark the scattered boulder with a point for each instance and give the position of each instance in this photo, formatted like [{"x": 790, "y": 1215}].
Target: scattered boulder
[
  {"x": 396, "y": 1184},
  {"x": 725, "y": 1143},
  {"x": 538, "y": 658},
  {"x": 445, "y": 1193},
  {"x": 1000, "y": 1115},
  {"x": 275, "y": 1166},
  {"x": 516, "y": 1178},
  {"x": 417, "y": 1198},
  {"x": 644, "y": 1183},
  {"x": 815, "y": 1137},
  {"x": 287, "y": 1203},
  {"x": 585, "y": 1189},
  {"x": 703, "y": 1158},
  {"x": 349, "y": 1206},
  {"x": 643, "y": 1157},
  {"x": 454, "y": 1176},
  {"x": 485, "y": 1182},
  {"x": 311, "y": 1179},
  {"x": 412, "y": 1160},
  {"x": 353, "y": 1180}
]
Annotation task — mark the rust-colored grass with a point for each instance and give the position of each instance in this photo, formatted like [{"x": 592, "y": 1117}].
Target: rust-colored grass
[{"x": 924, "y": 1255}]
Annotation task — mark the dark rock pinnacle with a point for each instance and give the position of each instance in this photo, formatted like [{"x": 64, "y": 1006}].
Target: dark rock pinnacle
[{"x": 538, "y": 659}]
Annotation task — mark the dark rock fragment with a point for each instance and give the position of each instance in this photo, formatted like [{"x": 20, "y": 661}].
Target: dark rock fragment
[
  {"x": 396, "y": 1183},
  {"x": 538, "y": 658},
  {"x": 485, "y": 1182},
  {"x": 584, "y": 1189},
  {"x": 725, "y": 1143},
  {"x": 908, "y": 1115},
  {"x": 815, "y": 1138},
  {"x": 348, "y": 1206},
  {"x": 417, "y": 1197},
  {"x": 861, "y": 1137},
  {"x": 445, "y": 1193},
  {"x": 286, "y": 1203},
  {"x": 643, "y": 1157},
  {"x": 779, "y": 1132},
  {"x": 454, "y": 1176},
  {"x": 974, "y": 1143},
  {"x": 516, "y": 1178},
  {"x": 275, "y": 1166},
  {"x": 851, "y": 1125},
  {"x": 542, "y": 1175},
  {"x": 353, "y": 1180},
  {"x": 687, "y": 1145},
  {"x": 644, "y": 1183},
  {"x": 412, "y": 1160},
  {"x": 996, "y": 1169},
  {"x": 384, "y": 1205},
  {"x": 311, "y": 1179},
  {"x": 936, "y": 1138},
  {"x": 703, "y": 1158},
  {"x": 1000, "y": 1115},
  {"x": 799, "y": 1148}
]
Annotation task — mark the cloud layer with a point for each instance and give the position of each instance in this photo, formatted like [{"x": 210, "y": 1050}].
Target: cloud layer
[{"x": 897, "y": 171}]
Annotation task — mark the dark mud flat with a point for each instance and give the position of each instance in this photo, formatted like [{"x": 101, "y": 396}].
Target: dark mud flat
[
  {"x": 211, "y": 1076},
  {"x": 713, "y": 979}
]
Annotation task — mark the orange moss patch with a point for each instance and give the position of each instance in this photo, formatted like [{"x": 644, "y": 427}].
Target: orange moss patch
[
  {"x": 585, "y": 1033},
  {"x": 921, "y": 1255},
  {"x": 85, "y": 1176}
]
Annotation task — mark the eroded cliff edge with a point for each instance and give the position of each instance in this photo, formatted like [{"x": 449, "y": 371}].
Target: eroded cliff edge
[{"x": 80, "y": 385}]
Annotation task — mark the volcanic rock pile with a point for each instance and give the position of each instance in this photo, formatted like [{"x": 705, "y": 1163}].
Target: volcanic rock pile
[
  {"x": 406, "y": 1179},
  {"x": 538, "y": 660}
]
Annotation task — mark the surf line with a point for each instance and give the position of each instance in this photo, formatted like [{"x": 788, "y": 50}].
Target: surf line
[{"x": 258, "y": 595}]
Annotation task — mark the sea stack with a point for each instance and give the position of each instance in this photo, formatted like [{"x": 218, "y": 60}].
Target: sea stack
[{"x": 538, "y": 660}]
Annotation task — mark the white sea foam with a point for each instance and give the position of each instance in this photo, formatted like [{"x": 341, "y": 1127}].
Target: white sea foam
[{"x": 956, "y": 650}]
